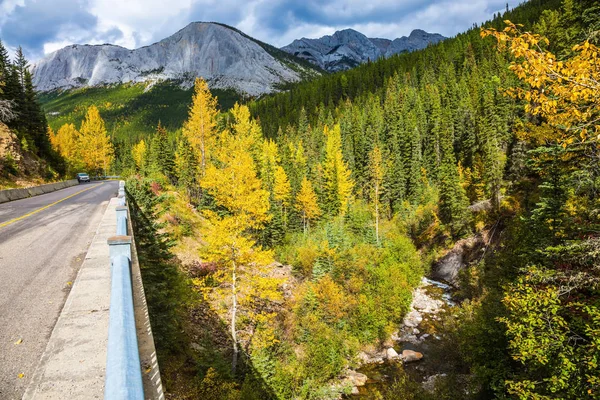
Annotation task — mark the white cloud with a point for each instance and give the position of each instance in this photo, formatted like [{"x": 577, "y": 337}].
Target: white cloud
[{"x": 135, "y": 23}]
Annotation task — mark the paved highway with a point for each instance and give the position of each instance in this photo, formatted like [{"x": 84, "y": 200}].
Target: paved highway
[{"x": 43, "y": 241}]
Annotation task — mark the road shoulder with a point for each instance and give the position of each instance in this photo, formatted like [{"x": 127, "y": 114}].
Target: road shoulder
[{"x": 73, "y": 364}]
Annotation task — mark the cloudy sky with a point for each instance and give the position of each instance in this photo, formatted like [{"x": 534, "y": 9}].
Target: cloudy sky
[{"x": 42, "y": 26}]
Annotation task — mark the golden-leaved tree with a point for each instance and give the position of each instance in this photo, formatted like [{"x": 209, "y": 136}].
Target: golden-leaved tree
[
  {"x": 95, "y": 148},
  {"x": 66, "y": 143},
  {"x": 306, "y": 203},
  {"x": 245, "y": 287},
  {"x": 200, "y": 127},
  {"x": 139, "y": 153},
  {"x": 338, "y": 184},
  {"x": 565, "y": 92}
]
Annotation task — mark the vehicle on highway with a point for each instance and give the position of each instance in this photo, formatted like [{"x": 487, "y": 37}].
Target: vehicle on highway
[{"x": 83, "y": 177}]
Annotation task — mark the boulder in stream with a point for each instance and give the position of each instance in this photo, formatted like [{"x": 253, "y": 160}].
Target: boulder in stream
[
  {"x": 411, "y": 355},
  {"x": 356, "y": 378},
  {"x": 391, "y": 354},
  {"x": 413, "y": 319}
]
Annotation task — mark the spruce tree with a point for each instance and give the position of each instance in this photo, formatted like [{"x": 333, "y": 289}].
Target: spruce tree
[{"x": 186, "y": 166}]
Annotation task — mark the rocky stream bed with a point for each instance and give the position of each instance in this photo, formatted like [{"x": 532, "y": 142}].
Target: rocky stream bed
[{"x": 411, "y": 350}]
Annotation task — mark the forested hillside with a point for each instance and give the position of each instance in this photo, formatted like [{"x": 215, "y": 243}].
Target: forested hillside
[
  {"x": 283, "y": 240},
  {"x": 25, "y": 150}
]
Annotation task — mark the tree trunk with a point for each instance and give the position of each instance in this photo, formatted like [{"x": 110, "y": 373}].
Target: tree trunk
[
  {"x": 377, "y": 213},
  {"x": 304, "y": 220},
  {"x": 233, "y": 322}
]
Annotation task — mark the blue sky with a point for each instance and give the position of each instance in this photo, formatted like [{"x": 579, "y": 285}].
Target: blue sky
[{"x": 42, "y": 26}]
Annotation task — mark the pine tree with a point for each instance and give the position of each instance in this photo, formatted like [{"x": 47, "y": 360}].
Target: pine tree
[
  {"x": 282, "y": 191},
  {"x": 453, "y": 199},
  {"x": 36, "y": 125},
  {"x": 186, "y": 165},
  {"x": 161, "y": 157},
  {"x": 377, "y": 170}
]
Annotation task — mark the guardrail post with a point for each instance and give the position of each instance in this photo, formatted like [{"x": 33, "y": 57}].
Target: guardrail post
[
  {"x": 121, "y": 194},
  {"x": 123, "y": 370},
  {"x": 122, "y": 220}
]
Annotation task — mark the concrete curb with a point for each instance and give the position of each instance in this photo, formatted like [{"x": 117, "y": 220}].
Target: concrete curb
[{"x": 17, "y": 194}]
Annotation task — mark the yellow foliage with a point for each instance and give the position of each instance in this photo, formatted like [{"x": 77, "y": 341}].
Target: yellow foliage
[
  {"x": 268, "y": 159},
  {"x": 201, "y": 123},
  {"x": 282, "y": 189},
  {"x": 246, "y": 128},
  {"x": 66, "y": 142},
  {"x": 306, "y": 203},
  {"x": 138, "y": 152},
  {"x": 233, "y": 183},
  {"x": 565, "y": 92},
  {"x": 243, "y": 271},
  {"x": 338, "y": 183},
  {"x": 332, "y": 298},
  {"x": 95, "y": 148}
]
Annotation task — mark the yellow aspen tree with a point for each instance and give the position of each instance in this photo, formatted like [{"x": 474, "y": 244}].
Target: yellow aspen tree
[
  {"x": 377, "y": 173},
  {"x": 96, "y": 149},
  {"x": 52, "y": 138},
  {"x": 139, "y": 152},
  {"x": 66, "y": 142},
  {"x": 200, "y": 127},
  {"x": 282, "y": 191},
  {"x": 233, "y": 182},
  {"x": 338, "y": 184},
  {"x": 306, "y": 203},
  {"x": 565, "y": 92}
]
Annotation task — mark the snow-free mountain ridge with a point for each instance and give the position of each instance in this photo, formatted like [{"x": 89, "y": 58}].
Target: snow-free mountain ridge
[
  {"x": 348, "y": 48},
  {"x": 223, "y": 56}
]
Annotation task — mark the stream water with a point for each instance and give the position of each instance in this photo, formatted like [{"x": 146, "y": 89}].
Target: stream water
[{"x": 432, "y": 300}]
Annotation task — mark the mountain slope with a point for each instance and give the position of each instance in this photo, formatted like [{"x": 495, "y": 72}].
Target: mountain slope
[
  {"x": 225, "y": 57},
  {"x": 348, "y": 48}
]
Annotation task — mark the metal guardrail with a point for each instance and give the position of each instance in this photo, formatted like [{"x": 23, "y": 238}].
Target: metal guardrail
[{"x": 123, "y": 369}]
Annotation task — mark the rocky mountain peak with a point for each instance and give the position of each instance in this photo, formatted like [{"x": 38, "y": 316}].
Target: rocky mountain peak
[
  {"x": 223, "y": 56},
  {"x": 348, "y": 48}
]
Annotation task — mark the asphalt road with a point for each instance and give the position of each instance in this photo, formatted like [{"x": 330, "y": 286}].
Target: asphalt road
[{"x": 43, "y": 241}]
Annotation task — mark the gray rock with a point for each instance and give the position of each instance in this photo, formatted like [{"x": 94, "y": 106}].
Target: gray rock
[
  {"x": 411, "y": 355},
  {"x": 356, "y": 378},
  {"x": 196, "y": 347},
  {"x": 348, "y": 48},
  {"x": 413, "y": 319},
  {"x": 391, "y": 354},
  {"x": 430, "y": 381},
  {"x": 222, "y": 55}
]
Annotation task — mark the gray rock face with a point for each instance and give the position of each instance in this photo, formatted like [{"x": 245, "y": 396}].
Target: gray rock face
[
  {"x": 223, "y": 56},
  {"x": 464, "y": 252},
  {"x": 348, "y": 48}
]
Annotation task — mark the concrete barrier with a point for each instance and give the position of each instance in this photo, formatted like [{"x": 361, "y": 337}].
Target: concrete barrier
[{"x": 22, "y": 193}]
